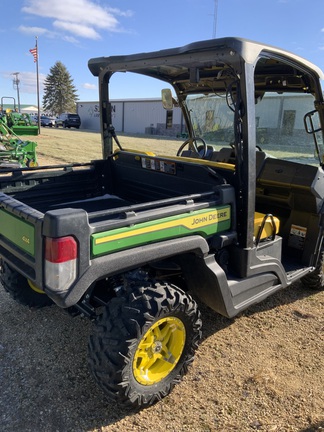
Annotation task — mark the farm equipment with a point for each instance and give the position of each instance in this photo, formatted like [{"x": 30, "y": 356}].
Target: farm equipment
[
  {"x": 14, "y": 152},
  {"x": 19, "y": 123}
]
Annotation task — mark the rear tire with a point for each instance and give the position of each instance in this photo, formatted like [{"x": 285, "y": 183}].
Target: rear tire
[
  {"x": 21, "y": 289},
  {"x": 315, "y": 280},
  {"x": 143, "y": 344}
]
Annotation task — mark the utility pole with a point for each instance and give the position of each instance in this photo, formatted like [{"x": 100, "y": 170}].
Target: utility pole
[
  {"x": 16, "y": 82},
  {"x": 215, "y": 18}
]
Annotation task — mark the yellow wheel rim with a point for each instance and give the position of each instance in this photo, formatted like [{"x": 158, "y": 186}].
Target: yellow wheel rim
[
  {"x": 34, "y": 287},
  {"x": 159, "y": 351},
  {"x": 33, "y": 164}
]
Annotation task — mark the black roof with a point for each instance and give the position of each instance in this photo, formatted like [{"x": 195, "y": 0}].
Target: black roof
[
  {"x": 167, "y": 64},
  {"x": 216, "y": 64}
]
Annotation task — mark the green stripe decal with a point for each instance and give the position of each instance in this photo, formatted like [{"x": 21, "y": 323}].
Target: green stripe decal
[
  {"x": 18, "y": 231},
  {"x": 203, "y": 222}
]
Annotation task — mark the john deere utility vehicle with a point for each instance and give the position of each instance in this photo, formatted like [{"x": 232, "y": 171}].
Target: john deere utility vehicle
[{"x": 136, "y": 240}]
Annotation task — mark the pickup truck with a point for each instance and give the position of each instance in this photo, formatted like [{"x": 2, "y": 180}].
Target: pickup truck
[{"x": 135, "y": 241}]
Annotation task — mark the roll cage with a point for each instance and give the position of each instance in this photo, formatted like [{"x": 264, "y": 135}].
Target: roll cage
[{"x": 241, "y": 68}]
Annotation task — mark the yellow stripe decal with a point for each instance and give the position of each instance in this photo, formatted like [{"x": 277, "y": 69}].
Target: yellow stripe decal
[{"x": 192, "y": 222}]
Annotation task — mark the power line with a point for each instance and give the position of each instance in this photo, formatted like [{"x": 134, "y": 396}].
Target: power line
[{"x": 16, "y": 82}]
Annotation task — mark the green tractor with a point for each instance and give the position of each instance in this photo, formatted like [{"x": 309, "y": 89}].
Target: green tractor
[
  {"x": 14, "y": 152},
  {"x": 19, "y": 123}
]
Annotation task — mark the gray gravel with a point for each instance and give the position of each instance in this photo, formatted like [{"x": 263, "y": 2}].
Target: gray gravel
[
  {"x": 44, "y": 380},
  {"x": 262, "y": 371}
]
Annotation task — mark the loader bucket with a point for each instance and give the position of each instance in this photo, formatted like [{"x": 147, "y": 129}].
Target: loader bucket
[{"x": 25, "y": 130}]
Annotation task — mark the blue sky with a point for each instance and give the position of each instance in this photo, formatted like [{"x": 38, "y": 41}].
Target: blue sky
[{"x": 73, "y": 31}]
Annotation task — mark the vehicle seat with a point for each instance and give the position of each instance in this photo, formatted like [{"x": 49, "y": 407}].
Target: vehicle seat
[
  {"x": 226, "y": 154},
  {"x": 223, "y": 155},
  {"x": 190, "y": 154}
]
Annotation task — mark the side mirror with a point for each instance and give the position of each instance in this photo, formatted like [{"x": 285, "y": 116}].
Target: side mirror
[
  {"x": 313, "y": 126},
  {"x": 167, "y": 100}
]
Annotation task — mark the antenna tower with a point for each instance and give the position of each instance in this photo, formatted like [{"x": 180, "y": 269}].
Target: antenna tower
[{"x": 215, "y": 18}]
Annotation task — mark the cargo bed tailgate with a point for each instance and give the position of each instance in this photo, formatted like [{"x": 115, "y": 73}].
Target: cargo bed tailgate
[{"x": 20, "y": 237}]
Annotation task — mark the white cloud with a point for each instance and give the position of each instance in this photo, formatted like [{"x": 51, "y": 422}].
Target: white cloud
[
  {"x": 70, "y": 39},
  {"x": 81, "y": 18},
  {"x": 77, "y": 29},
  {"x": 115, "y": 11},
  {"x": 36, "y": 31},
  {"x": 89, "y": 86},
  {"x": 27, "y": 81}
]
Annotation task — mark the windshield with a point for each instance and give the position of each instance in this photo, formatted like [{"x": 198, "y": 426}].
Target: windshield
[
  {"x": 212, "y": 118},
  {"x": 144, "y": 125},
  {"x": 280, "y": 127},
  {"x": 279, "y": 119}
]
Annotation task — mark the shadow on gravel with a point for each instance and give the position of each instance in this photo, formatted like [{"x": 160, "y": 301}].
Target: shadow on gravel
[
  {"x": 314, "y": 428},
  {"x": 44, "y": 379},
  {"x": 212, "y": 322}
]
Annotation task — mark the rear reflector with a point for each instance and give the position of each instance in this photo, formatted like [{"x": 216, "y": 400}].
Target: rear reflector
[
  {"x": 60, "y": 262},
  {"x": 62, "y": 249}
]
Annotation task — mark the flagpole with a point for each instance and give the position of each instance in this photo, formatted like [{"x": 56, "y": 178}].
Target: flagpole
[{"x": 37, "y": 78}]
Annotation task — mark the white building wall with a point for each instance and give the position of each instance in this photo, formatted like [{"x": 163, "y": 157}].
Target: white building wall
[
  {"x": 271, "y": 114},
  {"x": 148, "y": 115},
  {"x": 130, "y": 116},
  {"x": 90, "y": 115},
  {"x": 140, "y": 116},
  {"x": 292, "y": 103}
]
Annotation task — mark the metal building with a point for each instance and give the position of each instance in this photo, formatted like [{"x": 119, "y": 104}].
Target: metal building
[
  {"x": 134, "y": 116},
  {"x": 147, "y": 116}
]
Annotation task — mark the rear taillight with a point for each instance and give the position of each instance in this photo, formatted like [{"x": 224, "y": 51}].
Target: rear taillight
[{"x": 60, "y": 262}]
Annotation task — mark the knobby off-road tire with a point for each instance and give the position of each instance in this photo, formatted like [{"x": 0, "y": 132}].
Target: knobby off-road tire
[
  {"x": 315, "y": 280},
  {"x": 143, "y": 344},
  {"x": 21, "y": 289}
]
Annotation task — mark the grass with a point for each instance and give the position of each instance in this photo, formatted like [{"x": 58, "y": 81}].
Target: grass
[{"x": 70, "y": 145}]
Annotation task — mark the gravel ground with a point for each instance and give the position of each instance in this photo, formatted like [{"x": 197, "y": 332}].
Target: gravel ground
[{"x": 261, "y": 371}]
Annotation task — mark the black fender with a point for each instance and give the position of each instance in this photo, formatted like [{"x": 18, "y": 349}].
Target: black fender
[{"x": 119, "y": 262}]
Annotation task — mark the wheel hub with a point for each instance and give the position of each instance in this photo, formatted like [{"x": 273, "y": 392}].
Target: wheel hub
[
  {"x": 159, "y": 350},
  {"x": 157, "y": 347}
]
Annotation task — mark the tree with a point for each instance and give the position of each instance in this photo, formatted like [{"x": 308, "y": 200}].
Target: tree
[{"x": 60, "y": 94}]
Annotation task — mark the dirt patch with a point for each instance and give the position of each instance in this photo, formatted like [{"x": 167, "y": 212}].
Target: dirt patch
[{"x": 262, "y": 371}]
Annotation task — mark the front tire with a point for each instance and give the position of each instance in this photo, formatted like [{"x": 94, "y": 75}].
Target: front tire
[
  {"x": 315, "y": 280},
  {"x": 143, "y": 344},
  {"x": 31, "y": 163},
  {"x": 21, "y": 289}
]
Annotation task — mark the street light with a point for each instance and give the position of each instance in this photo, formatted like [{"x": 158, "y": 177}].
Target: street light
[{"x": 16, "y": 82}]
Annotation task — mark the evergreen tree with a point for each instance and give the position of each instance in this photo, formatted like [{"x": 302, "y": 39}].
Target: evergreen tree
[{"x": 60, "y": 94}]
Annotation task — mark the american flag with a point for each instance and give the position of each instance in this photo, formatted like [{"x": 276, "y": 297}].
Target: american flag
[{"x": 33, "y": 51}]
